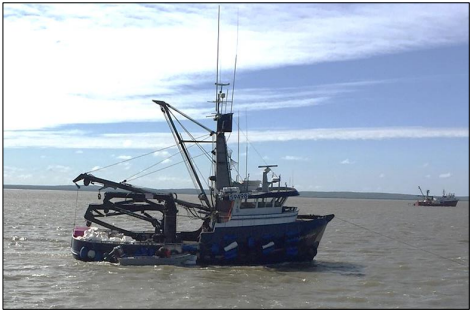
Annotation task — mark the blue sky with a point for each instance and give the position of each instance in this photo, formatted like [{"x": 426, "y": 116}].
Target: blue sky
[{"x": 343, "y": 97}]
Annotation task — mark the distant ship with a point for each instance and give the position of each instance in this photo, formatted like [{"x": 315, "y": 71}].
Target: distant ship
[{"x": 445, "y": 200}]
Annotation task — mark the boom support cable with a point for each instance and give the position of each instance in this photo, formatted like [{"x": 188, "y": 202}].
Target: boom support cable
[
  {"x": 128, "y": 160},
  {"x": 187, "y": 158},
  {"x": 181, "y": 150},
  {"x": 164, "y": 168},
  {"x": 192, "y": 137},
  {"x": 144, "y": 170},
  {"x": 207, "y": 154},
  {"x": 168, "y": 158},
  {"x": 254, "y": 148}
]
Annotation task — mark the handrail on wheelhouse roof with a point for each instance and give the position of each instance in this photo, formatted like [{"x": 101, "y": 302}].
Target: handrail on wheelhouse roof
[{"x": 282, "y": 192}]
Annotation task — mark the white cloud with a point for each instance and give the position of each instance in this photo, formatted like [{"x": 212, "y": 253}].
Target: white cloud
[
  {"x": 347, "y": 161},
  {"x": 124, "y": 157},
  {"x": 11, "y": 171},
  {"x": 95, "y": 63},
  {"x": 16, "y": 175},
  {"x": 81, "y": 139},
  {"x": 59, "y": 168},
  {"x": 379, "y": 133},
  {"x": 425, "y": 164},
  {"x": 294, "y": 158},
  {"x": 164, "y": 153},
  {"x": 127, "y": 143},
  {"x": 445, "y": 175},
  {"x": 126, "y": 165},
  {"x": 381, "y": 175},
  {"x": 110, "y": 109}
]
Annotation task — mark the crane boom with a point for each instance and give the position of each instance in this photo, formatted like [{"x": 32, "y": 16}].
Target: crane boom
[{"x": 421, "y": 191}]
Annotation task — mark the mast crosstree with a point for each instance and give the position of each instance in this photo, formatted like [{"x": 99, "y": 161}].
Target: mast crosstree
[{"x": 222, "y": 170}]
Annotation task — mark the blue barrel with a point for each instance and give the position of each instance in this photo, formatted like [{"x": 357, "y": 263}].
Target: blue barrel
[
  {"x": 83, "y": 253},
  {"x": 215, "y": 249},
  {"x": 251, "y": 242}
]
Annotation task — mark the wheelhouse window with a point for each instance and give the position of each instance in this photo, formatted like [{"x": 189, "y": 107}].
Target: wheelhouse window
[
  {"x": 248, "y": 204},
  {"x": 262, "y": 203},
  {"x": 280, "y": 201}
]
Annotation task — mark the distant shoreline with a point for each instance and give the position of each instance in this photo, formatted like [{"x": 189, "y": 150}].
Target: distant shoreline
[{"x": 306, "y": 194}]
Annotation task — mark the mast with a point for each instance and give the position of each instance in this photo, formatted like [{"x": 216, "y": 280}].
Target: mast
[
  {"x": 222, "y": 176},
  {"x": 221, "y": 160},
  {"x": 224, "y": 125}
]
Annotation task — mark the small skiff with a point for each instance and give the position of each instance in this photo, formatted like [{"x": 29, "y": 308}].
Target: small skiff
[{"x": 182, "y": 259}]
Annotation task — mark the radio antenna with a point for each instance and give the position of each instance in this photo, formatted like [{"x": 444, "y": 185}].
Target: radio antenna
[
  {"x": 218, "y": 44},
  {"x": 238, "y": 159},
  {"x": 236, "y": 54},
  {"x": 246, "y": 161}
]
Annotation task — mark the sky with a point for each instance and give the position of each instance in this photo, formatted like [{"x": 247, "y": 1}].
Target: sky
[{"x": 342, "y": 97}]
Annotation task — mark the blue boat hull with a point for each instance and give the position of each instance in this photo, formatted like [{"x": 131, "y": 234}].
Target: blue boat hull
[
  {"x": 263, "y": 244},
  {"x": 249, "y": 245},
  {"x": 81, "y": 249}
]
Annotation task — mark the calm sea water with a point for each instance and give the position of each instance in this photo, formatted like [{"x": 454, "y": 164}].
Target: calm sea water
[{"x": 375, "y": 254}]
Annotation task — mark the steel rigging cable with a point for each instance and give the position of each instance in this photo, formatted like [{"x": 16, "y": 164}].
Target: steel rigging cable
[
  {"x": 168, "y": 158},
  {"x": 140, "y": 156},
  {"x": 165, "y": 167}
]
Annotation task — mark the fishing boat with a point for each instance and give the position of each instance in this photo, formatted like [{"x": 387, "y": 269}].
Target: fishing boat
[
  {"x": 446, "y": 199},
  {"x": 243, "y": 222},
  {"x": 246, "y": 226}
]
